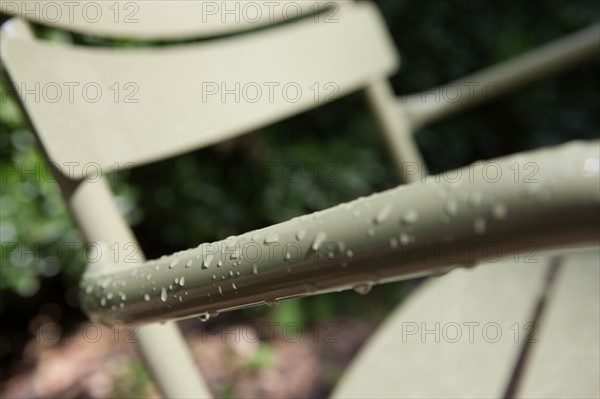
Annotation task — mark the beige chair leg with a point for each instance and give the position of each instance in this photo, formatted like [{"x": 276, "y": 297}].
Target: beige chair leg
[{"x": 162, "y": 346}]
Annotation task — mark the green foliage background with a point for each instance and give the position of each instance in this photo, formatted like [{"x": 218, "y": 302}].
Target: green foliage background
[{"x": 240, "y": 185}]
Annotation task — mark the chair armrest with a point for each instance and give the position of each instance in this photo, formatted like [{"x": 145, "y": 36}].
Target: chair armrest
[
  {"x": 430, "y": 105},
  {"x": 489, "y": 210}
]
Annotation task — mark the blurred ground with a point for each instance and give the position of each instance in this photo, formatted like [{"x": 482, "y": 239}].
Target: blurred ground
[{"x": 249, "y": 360}]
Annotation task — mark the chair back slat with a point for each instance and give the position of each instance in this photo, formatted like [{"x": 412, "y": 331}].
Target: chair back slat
[
  {"x": 166, "y": 19},
  {"x": 132, "y": 106}
]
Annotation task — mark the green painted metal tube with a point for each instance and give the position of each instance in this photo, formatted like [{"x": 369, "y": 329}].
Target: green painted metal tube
[{"x": 539, "y": 200}]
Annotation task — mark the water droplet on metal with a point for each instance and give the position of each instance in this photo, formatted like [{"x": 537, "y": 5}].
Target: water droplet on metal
[
  {"x": 220, "y": 290},
  {"x": 349, "y": 253},
  {"x": 189, "y": 263},
  {"x": 452, "y": 208},
  {"x": 254, "y": 269},
  {"x": 271, "y": 238},
  {"x": 383, "y": 214},
  {"x": 319, "y": 239},
  {"x": 163, "y": 294},
  {"x": 204, "y": 317},
  {"x": 207, "y": 261},
  {"x": 103, "y": 301},
  {"x": 300, "y": 234},
  {"x": 272, "y": 303},
  {"x": 182, "y": 281},
  {"x": 146, "y": 297},
  {"x": 475, "y": 199},
  {"x": 234, "y": 286},
  {"x": 406, "y": 238},
  {"x": 410, "y": 217},
  {"x": 479, "y": 225},
  {"x": 499, "y": 211},
  {"x": 173, "y": 263},
  {"x": 362, "y": 289},
  {"x": 109, "y": 296}
]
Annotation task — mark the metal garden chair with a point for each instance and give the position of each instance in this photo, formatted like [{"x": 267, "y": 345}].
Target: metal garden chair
[{"x": 389, "y": 236}]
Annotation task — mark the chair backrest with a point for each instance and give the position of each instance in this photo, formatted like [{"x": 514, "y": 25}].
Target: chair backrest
[
  {"x": 132, "y": 106},
  {"x": 165, "y": 19},
  {"x": 106, "y": 106}
]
